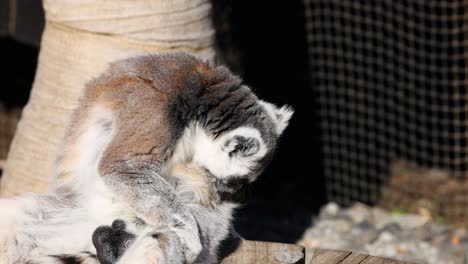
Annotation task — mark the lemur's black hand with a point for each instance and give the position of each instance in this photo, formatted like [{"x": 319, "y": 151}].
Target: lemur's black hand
[{"x": 111, "y": 241}]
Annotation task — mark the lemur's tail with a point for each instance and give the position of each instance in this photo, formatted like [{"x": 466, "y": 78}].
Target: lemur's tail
[{"x": 79, "y": 258}]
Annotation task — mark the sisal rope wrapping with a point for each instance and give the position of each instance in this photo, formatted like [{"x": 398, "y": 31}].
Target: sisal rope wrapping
[{"x": 79, "y": 40}]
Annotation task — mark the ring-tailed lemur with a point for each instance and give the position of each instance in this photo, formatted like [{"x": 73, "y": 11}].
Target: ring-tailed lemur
[{"x": 156, "y": 141}]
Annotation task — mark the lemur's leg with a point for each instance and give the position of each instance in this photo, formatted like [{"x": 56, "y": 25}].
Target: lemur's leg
[
  {"x": 41, "y": 228},
  {"x": 14, "y": 246},
  {"x": 154, "y": 200},
  {"x": 78, "y": 258}
]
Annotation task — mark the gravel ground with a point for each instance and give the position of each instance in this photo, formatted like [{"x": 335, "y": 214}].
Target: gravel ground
[{"x": 373, "y": 231}]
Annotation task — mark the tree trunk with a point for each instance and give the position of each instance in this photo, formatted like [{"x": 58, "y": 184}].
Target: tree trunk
[{"x": 79, "y": 40}]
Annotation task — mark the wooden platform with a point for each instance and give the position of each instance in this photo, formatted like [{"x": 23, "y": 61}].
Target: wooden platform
[
  {"x": 255, "y": 252},
  {"x": 323, "y": 256}
]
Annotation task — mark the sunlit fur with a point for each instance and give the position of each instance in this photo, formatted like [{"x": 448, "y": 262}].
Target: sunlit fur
[{"x": 152, "y": 145}]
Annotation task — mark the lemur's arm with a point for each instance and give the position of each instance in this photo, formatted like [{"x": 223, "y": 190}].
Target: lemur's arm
[
  {"x": 154, "y": 200},
  {"x": 139, "y": 185}
]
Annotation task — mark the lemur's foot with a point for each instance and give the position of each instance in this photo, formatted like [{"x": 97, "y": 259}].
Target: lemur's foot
[{"x": 111, "y": 241}]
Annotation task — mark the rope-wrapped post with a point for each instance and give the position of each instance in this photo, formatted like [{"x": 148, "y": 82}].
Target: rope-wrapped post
[{"x": 79, "y": 40}]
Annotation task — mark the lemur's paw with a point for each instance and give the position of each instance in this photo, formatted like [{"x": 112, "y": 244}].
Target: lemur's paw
[
  {"x": 192, "y": 252},
  {"x": 191, "y": 244},
  {"x": 111, "y": 241}
]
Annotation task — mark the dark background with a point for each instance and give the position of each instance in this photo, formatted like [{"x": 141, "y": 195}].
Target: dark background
[{"x": 265, "y": 43}]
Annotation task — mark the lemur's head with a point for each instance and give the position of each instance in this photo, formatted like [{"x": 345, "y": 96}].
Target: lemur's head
[
  {"x": 238, "y": 154},
  {"x": 244, "y": 150},
  {"x": 229, "y": 133}
]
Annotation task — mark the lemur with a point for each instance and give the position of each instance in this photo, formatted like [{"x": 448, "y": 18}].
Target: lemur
[{"x": 156, "y": 141}]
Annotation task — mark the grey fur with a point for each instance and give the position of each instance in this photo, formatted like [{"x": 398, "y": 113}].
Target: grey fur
[{"x": 154, "y": 100}]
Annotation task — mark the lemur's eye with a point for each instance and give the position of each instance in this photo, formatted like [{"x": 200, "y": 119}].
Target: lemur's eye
[{"x": 239, "y": 145}]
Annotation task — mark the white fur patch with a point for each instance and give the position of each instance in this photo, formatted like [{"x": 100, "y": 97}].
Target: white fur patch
[
  {"x": 199, "y": 148},
  {"x": 42, "y": 225},
  {"x": 83, "y": 157}
]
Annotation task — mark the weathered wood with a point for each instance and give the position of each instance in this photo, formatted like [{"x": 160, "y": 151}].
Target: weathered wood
[
  {"x": 326, "y": 256},
  {"x": 354, "y": 258},
  {"x": 254, "y": 252},
  {"x": 323, "y": 256}
]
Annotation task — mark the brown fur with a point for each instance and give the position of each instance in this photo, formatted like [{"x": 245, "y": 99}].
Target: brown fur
[
  {"x": 132, "y": 100},
  {"x": 199, "y": 182}
]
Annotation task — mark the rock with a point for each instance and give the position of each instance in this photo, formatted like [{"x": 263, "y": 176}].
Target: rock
[
  {"x": 330, "y": 210},
  {"x": 364, "y": 225},
  {"x": 358, "y": 212},
  {"x": 410, "y": 221},
  {"x": 380, "y": 217},
  {"x": 362, "y": 237},
  {"x": 288, "y": 257},
  {"x": 343, "y": 225},
  {"x": 392, "y": 228},
  {"x": 385, "y": 237},
  {"x": 334, "y": 225},
  {"x": 464, "y": 241}
]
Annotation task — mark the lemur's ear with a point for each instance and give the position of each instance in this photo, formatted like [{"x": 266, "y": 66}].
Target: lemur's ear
[
  {"x": 239, "y": 145},
  {"x": 280, "y": 115}
]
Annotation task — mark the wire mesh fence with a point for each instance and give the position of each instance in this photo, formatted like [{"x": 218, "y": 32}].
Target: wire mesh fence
[{"x": 390, "y": 77}]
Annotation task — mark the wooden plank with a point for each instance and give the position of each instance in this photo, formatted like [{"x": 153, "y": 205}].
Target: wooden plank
[
  {"x": 373, "y": 260},
  {"x": 378, "y": 260},
  {"x": 324, "y": 256},
  {"x": 257, "y": 252},
  {"x": 354, "y": 258},
  {"x": 254, "y": 252}
]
